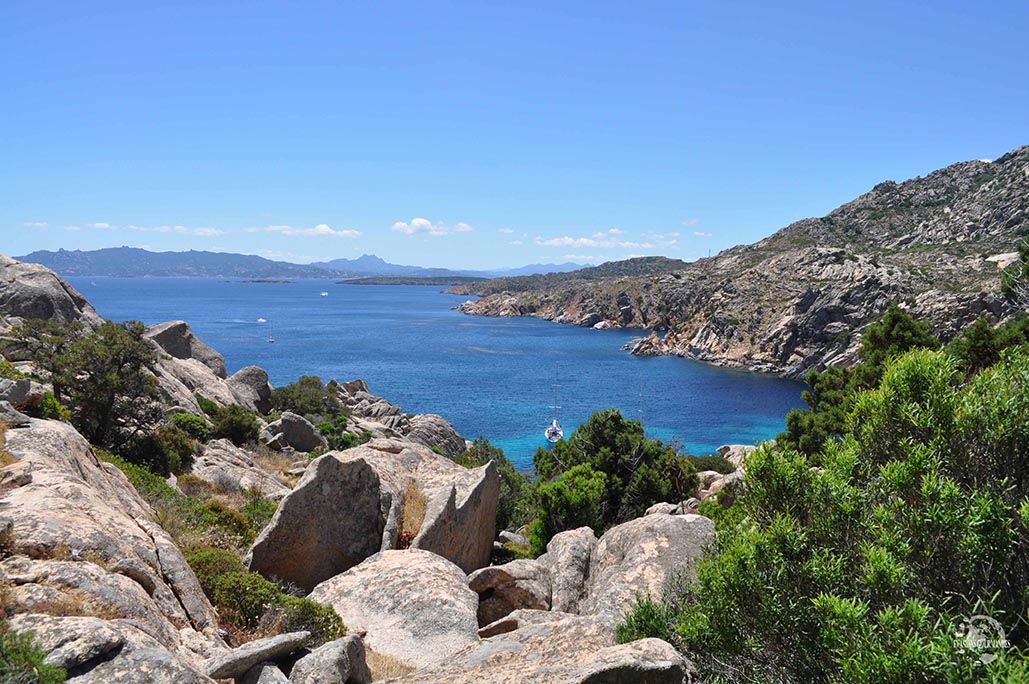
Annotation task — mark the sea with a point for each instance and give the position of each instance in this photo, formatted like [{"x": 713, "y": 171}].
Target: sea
[{"x": 500, "y": 378}]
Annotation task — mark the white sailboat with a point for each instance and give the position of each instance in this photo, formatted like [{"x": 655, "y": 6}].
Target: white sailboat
[{"x": 554, "y": 433}]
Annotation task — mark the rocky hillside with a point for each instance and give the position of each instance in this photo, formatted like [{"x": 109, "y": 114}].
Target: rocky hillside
[{"x": 799, "y": 299}]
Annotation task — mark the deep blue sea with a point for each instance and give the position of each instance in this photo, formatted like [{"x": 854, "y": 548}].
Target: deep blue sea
[{"x": 488, "y": 376}]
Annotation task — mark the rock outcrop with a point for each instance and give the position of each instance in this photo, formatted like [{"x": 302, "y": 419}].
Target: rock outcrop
[
  {"x": 33, "y": 291},
  {"x": 337, "y": 662},
  {"x": 502, "y": 589},
  {"x": 640, "y": 557},
  {"x": 800, "y": 299},
  {"x": 81, "y": 541},
  {"x": 435, "y": 431},
  {"x": 229, "y": 467},
  {"x": 351, "y": 504},
  {"x": 251, "y": 388},
  {"x": 176, "y": 339},
  {"x": 293, "y": 431},
  {"x": 559, "y": 649},
  {"x": 568, "y": 557},
  {"x": 414, "y": 605}
]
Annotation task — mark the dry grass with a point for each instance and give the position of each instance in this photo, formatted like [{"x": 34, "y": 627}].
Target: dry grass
[
  {"x": 5, "y": 457},
  {"x": 274, "y": 462},
  {"x": 384, "y": 666},
  {"x": 413, "y": 514}
]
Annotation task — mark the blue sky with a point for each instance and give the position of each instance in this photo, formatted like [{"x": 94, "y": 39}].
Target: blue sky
[{"x": 483, "y": 135}]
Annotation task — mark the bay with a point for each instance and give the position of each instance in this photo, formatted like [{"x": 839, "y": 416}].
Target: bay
[{"x": 488, "y": 376}]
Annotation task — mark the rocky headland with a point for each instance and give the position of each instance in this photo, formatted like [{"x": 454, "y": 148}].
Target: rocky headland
[
  {"x": 393, "y": 534},
  {"x": 799, "y": 299}
]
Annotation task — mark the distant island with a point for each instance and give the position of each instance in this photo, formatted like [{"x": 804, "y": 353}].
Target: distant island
[
  {"x": 133, "y": 262},
  {"x": 442, "y": 281}
]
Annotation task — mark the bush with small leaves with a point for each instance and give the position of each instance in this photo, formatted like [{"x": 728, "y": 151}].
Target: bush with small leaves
[
  {"x": 210, "y": 564},
  {"x": 235, "y": 423},
  {"x": 195, "y": 426},
  {"x": 245, "y": 597},
  {"x": 21, "y": 662}
]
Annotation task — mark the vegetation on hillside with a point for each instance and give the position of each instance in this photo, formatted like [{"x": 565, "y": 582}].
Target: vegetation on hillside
[
  {"x": 864, "y": 552},
  {"x": 639, "y": 266}
]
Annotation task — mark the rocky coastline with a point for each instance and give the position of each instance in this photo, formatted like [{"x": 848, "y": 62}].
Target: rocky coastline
[{"x": 799, "y": 299}]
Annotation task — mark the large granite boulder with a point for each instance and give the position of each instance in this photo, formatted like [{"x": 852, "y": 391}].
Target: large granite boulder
[
  {"x": 239, "y": 661},
  {"x": 296, "y": 432},
  {"x": 338, "y": 662},
  {"x": 736, "y": 453},
  {"x": 251, "y": 388},
  {"x": 502, "y": 589},
  {"x": 179, "y": 380},
  {"x": 351, "y": 504},
  {"x": 434, "y": 431},
  {"x": 414, "y": 605},
  {"x": 81, "y": 536},
  {"x": 228, "y": 466},
  {"x": 176, "y": 339},
  {"x": 568, "y": 557},
  {"x": 559, "y": 649},
  {"x": 640, "y": 557},
  {"x": 34, "y": 291},
  {"x": 112, "y": 652}
]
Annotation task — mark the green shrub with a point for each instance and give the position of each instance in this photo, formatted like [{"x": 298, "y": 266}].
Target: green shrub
[
  {"x": 9, "y": 372},
  {"x": 232, "y": 522},
  {"x": 714, "y": 462},
  {"x": 21, "y": 662},
  {"x": 303, "y": 614},
  {"x": 856, "y": 564},
  {"x": 258, "y": 509},
  {"x": 308, "y": 397},
  {"x": 508, "y": 552},
  {"x": 48, "y": 407},
  {"x": 245, "y": 596},
  {"x": 195, "y": 426},
  {"x": 150, "y": 486},
  {"x": 235, "y": 423},
  {"x": 210, "y": 564},
  {"x": 249, "y": 601},
  {"x": 206, "y": 405},
  {"x": 639, "y": 471},
  {"x": 570, "y": 501}
]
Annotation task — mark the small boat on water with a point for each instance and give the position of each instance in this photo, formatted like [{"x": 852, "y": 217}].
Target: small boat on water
[
  {"x": 261, "y": 320},
  {"x": 271, "y": 340},
  {"x": 554, "y": 433},
  {"x": 324, "y": 294}
]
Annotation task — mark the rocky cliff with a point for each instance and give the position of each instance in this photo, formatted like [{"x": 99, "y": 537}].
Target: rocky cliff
[{"x": 800, "y": 298}]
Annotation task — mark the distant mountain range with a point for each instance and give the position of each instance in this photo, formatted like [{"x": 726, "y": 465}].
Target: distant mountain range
[{"x": 135, "y": 262}]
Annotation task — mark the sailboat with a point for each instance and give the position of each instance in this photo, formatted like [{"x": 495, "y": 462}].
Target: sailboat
[{"x": 554, "y": 433}]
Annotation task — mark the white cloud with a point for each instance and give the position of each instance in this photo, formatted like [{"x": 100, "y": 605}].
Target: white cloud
[
  {"x": 598, "y": 240},
  {"x": 690, "y": 222},
  {"x": 321, "y": 230},
  {"x": 505, "y": 231},
  {"x": 35, "y": 224},
  {"x": 98, "y": 225},
  {"x": 516, "y": 243},
  {"x": 585, "y": 258},
  {"x": 700, "y": 233},
  {"x": 423, "y": 225}
]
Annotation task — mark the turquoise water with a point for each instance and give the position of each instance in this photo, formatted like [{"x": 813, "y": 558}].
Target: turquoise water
[{"x": 488, "y": 376}]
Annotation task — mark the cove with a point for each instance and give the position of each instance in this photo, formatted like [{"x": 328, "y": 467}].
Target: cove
[{"x": 488, "y": 376}]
